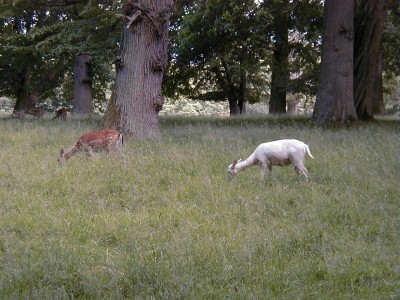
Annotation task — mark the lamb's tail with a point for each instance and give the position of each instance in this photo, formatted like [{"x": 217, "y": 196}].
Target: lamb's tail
[{"x": 308, "y": 151}]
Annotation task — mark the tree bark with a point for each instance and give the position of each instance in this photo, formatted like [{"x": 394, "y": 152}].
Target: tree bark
[
  {"x": 280, "y": 60},
  {"x": 22, "y": 90},
  {"x": 370, "y": 21},
  {"x": 136, "y": 99},
  {"x": 83, "y": 92},
  {"x": 28, "y": 93},
  {"x": 242, "y": 100},
  {"x": 334, "y": 104}
]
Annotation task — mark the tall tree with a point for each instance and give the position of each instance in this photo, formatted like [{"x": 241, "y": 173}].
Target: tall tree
[
  {"x": 83, "y": 92},
  {"x": 217, "y": 48},
  {"x": 40, "y": 39},
  {"x": 334, "y": 104},
  {"x": 223, "y": 50},
  {"x": 280, "y": 56},
  {"x": 137, "y": 99},
  {"x": 370, "y": 20},
  {"x": 305, "y": 32},
  {"x": 26, "y": 70}
]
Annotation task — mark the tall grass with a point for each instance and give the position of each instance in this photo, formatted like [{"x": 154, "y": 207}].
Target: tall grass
[{"x": 167, "y": 225}]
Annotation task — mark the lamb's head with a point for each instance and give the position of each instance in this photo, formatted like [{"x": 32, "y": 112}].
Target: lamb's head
[{"x": 232, "y": 169}]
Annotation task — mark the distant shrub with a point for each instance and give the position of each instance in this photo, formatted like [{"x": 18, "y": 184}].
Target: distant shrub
[
  {"x": 6, "y": 104},
  {"x": 187, "y": 107}
]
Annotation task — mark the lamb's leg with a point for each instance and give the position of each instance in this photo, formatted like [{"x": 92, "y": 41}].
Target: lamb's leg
[
  {"x": 263, "y": 170},
  {"x": 301, "y": 169}
]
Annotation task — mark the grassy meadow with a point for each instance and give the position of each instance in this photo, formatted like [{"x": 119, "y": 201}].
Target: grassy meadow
[{"x": 167, "y": 224}]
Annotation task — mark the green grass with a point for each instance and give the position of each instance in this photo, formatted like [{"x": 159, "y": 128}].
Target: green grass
[{"x": 167, "y": 225}]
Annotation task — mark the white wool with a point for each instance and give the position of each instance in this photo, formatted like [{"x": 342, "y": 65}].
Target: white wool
[{"x": 276, "y": 153}]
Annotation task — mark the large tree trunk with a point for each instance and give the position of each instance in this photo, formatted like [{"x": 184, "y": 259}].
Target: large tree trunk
[
  {"x": 28, "y": 93},
  {"x": 234, "y": 109},
  {"x": 22, "y": 88},
  {"x": 83, "y": 92},
  {"x": 280, "y": 72},
  {"x": 136, "y": 99},
  {"x": 370, "y": 20},
  {"x": 334, "y": 104},
  {"x": 242, "y": 99}
]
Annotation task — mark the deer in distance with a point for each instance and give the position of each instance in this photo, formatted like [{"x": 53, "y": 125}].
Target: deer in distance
[
  {"x": 61, "y": 114},
  {"x": 37, "y": 112}
]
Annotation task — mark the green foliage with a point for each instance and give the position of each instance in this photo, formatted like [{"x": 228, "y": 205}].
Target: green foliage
[
  {"x": 391, "y": 42},
  {"x": 194, "y": 108},
  {"x": 203, "y": 34},
  {"x": 305, "y": 46},
  {"x": 167, "y": 225},
  {"x": 241, "y": 33},
  {"x": 46, "y": 39}
]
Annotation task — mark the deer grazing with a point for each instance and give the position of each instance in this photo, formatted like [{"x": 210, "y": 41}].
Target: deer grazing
[
  {"x": 61, "y": 114},
  {"x": 37, "y": 112},
  {"x": 276, "y": 153},
  {"x": 18, "y": 114},
  {"x": 109, "y": 140}
]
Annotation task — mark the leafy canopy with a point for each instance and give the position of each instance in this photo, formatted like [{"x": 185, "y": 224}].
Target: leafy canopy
[
  {"x": 45, "y": 38},
  {"x": 240, "y": 33}
]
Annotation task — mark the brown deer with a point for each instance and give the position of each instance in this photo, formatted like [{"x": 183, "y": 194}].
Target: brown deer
[
  {"x": 61, "y": 113},
  {"x": 109, "y": 140},
  {"x": 36, "y": 112},
  {"x": 19, "y": 114}
]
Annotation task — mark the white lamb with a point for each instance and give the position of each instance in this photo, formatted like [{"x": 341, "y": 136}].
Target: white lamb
[{"x": 276, "y": 153}]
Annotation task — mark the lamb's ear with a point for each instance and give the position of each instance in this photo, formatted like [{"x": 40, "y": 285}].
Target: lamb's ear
[
  {"x": 61, "y": 151},
  {"x": 234, "y": 163}
]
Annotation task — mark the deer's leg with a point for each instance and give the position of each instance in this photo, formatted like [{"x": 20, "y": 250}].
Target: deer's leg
[{"x": 88, "y": 151}]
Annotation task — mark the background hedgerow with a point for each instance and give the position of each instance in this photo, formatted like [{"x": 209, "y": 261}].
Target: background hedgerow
[{"x": 168, "y": 225}]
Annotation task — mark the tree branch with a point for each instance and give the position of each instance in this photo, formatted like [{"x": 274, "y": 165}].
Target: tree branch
[{"x": 135, "y": 17}]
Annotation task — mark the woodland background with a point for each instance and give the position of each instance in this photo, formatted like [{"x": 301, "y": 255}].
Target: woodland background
[
  {"x": 212, "y": 44},
  {"x": 167, "y": 224}
]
